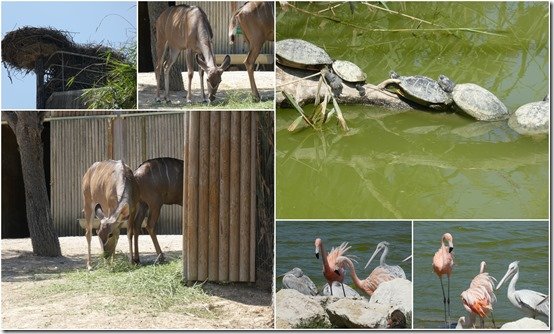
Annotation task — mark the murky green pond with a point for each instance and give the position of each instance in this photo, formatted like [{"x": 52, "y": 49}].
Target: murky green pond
[
  {"x": 419, "y": 164},
  {"x": 295, "y": 245},
  {"x": 498, "y": 244}
]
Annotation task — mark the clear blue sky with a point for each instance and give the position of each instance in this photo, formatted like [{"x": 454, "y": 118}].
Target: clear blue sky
[{"x": 109, "y": 23}]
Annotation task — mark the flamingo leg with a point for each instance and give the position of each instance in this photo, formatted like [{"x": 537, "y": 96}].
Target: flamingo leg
[
  {"x": 492, "y": 317},
  {"x": 343, "y": 292},
  {"x": 443, "y": 301},
  {"x": 448, "y": 301}
]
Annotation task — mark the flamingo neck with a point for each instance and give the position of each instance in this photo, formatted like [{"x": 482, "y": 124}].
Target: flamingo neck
[
  {"x": 355, "y": 278},
  {"x": 326, "y": 266}
]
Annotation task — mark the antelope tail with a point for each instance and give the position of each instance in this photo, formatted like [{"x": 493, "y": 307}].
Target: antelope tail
[{"x": 232, "y": 28}]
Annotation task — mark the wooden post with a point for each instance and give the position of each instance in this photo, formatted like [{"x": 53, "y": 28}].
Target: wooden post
[
  {"x": 192, "y": 196},
  {"x": 253, "y": 206},
  {"x": 245, "y": 178},
  {"x": 185, "y": 200},
  {"x": 224, "y": 195},
  {"x": 41, "y": 94},
  {"x": 234, "y": 224},
  {"x": 213, "y": 252},
  {"x": 203, "y": 190}
]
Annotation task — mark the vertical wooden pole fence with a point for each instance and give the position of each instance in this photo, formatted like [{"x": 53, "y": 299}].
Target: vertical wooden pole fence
[{"x": 219, "y": 209}]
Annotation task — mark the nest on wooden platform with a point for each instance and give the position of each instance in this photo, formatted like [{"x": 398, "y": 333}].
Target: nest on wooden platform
[{"x": 67, "y": 65}]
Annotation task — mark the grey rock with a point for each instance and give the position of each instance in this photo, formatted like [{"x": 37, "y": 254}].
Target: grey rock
[
  {"x": 295, "y": 310},
  {"x": 357, "y": 313},
  {"x": 395, "y": 295},
  {"x": 531, "y": 118},
  {"x": 525, "y": 323}
]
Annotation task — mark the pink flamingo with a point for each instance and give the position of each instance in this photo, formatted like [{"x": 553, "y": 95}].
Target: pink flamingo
[
  {"x": 480, "y": 297},
  {"x": 364, "y": 285},
  {"x": 443, "y": 261},
  {"x": 330, "y": 271}
]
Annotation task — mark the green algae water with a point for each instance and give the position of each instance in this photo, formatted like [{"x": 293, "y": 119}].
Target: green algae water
[
  {"x": 295, "y": 246},
  {"x": 496, "y": 243},
  {"x": 419, "y": 164}
]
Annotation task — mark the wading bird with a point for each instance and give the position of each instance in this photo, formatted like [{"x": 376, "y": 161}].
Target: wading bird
[
  {"x": 480, "y": 306},
  {"x": 339, "y": 290},
  {"x": 443, "y": 261},
  {"x": 295, "y": 279},
  {"x": 363, "y": 285},
  {"x": 532, "y": 303},
  {"x": 331, "y": 272},
  {"x": 383, "y": 272}
]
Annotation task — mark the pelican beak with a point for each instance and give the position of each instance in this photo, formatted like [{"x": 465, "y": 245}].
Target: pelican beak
[
  {"x": 317, "y": 252},
  {"x": 372, "y": 256},
  {"x": 505, "y": 278},
  {"x": 408, "y": 258}
]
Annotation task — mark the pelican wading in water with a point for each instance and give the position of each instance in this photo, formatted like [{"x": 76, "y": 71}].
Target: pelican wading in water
[
  {"x": 383, "y": 272},
  {"x": 443, "y": 261},
  {"x": 532, "y": 303},
  {"x": 330, "y": 270}
]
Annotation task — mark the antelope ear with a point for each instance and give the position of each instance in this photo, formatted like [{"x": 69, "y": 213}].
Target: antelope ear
[
  {"x": 99, "y": 212},
  {"x": 226, "y": 63},
  {"x": 201, "y": 62},
  {"x": 124, "y": 213}
]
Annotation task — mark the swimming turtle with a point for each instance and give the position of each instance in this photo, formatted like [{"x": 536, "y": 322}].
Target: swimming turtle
[
  {"x": 419, "y": 89},
  {"x": 297, "y": 53},
  {"x": 531, "y": 118},
  {"x": 474, "y": 100}
]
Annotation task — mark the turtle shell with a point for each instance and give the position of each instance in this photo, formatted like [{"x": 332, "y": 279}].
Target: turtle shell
[
  {"x": 478, "y": 102},
  {"x": 531, "y": 118},
  {"x": 300, "y": 54},
  {"x": 349, "y": 71},
  {"x": 423, "y": 90}
]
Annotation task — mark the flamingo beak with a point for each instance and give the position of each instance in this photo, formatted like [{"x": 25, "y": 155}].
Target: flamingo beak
[
  {"x": 337, "y": 272},
  {"x": 450, "y": 249},
  {"x": 372, "y": 256},
  {"x": 317, "y": 252}
]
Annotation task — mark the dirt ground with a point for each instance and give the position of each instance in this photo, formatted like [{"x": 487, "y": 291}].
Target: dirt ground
[
  {"x": 233, "y": 83},
  {"x": 238, "y": 305}
]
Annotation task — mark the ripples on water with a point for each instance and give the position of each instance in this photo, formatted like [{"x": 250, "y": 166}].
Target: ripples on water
[
  {"x": 498, "y": 244},
  {"x": 421, "y": 164},
  {"x": 295, "y": 245}
]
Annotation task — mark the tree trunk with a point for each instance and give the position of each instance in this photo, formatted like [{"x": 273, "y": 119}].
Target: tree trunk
[
  {"x": 265, "y": 204},
  {"x": 27, "y": 126},
  {"x": 175, "y": 77}
]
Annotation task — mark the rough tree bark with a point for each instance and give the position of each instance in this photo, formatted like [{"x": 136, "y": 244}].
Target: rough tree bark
[
  {"x": 175, "y": 77},
  {"x": 27, "y": 126}
]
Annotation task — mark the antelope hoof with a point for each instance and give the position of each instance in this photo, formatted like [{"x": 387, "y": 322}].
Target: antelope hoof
[
  {"x": 256, "y": 99},
  {"x": 160, "y": 259},
  {"x": 89, "y": 267}
]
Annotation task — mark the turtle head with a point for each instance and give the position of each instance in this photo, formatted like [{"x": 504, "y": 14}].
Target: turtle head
[
  {"x": 446, "y": 84},
  {"x": 393, "y": 75}
]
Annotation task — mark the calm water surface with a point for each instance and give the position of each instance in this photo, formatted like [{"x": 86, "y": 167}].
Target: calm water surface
[
  {"x": 420, "y": 164},
  {"x": 498, "y": 244},
  {"x": 295, "y": 245}
]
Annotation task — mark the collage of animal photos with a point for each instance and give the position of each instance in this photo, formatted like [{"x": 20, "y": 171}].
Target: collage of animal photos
[{"x": 275, "y": 165}]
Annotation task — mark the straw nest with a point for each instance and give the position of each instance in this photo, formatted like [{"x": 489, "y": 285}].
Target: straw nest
[{"x": 22, "y": 47}]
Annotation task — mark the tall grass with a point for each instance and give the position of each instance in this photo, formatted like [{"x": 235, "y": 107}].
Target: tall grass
[{"x": 153, "y": 287}]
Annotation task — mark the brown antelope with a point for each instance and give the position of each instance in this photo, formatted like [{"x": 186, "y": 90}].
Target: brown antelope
[
  {"x": 187, "y": 28},
  {"x": 160, "y": 182},
  {"x": 256, "y": 21},
  {"x": 109, "y": 187}
]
